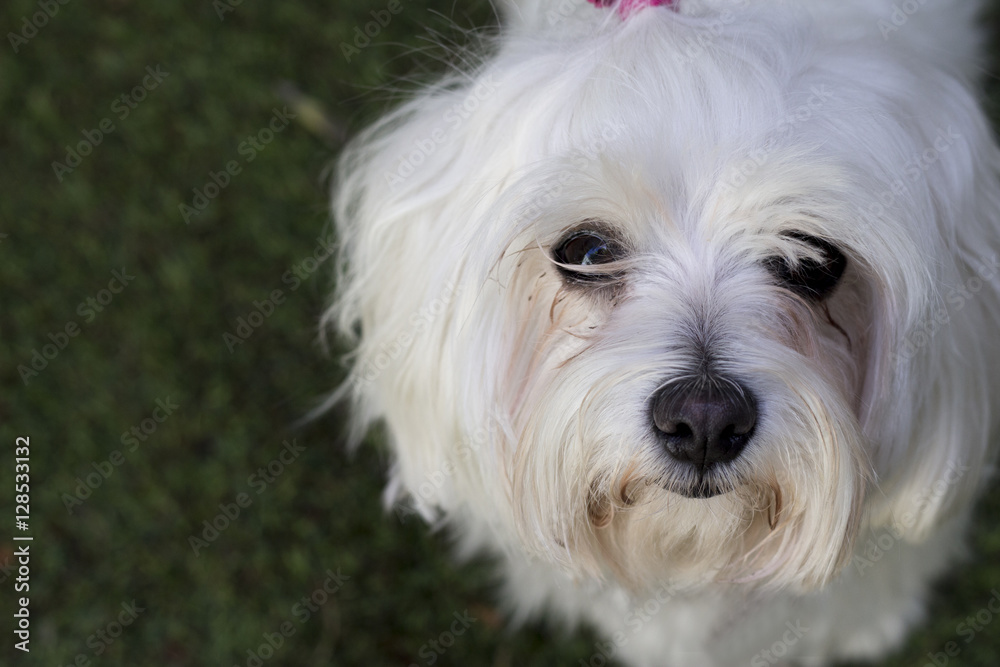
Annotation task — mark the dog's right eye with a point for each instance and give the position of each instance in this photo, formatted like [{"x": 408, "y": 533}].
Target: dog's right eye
[
  {"x": 586, "y": 248},
  {"x": 810, "y": 278}
]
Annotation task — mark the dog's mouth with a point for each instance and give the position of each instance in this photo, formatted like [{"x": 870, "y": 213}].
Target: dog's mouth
[{"x": 700, "y": 486}]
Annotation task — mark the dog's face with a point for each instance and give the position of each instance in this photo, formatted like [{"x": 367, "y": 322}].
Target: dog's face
[
  {"x": 683, "y": 290},
  {"x": 685, "y": 379}
]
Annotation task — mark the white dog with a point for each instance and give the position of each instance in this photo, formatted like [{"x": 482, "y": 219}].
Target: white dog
[{"x": 687, "y": 311}]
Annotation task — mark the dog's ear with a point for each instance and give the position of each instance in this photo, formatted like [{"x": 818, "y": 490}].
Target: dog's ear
[
  {"x": 941, "y": 420},
  {"x": 405, "y": 191},
  {"x": 934, "y": 472}
]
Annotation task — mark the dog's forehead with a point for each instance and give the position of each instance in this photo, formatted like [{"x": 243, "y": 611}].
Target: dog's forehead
[
  {"x": 761, "y": 135},
  {"x": 727, "y": 129},
  {"x": 644, "y": 77},
  {"x": 733, "y": 200}
]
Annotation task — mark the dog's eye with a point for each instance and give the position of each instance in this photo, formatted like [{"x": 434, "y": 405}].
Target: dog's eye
[
  {"x": 808, "y": 277},
  {"x": 586, "y": 248}
]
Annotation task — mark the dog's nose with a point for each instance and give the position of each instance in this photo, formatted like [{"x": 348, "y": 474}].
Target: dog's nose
[{"x": 706, "y": 422}]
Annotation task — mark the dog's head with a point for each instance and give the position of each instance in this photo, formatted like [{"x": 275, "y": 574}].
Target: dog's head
[{"x": 650, "y": 296}]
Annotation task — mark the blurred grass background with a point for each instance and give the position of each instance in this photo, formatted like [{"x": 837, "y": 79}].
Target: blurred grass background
[{"x": 161, "y": 338}]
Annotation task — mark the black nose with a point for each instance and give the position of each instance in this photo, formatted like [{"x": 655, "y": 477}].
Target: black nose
[{"x": 704, "y": 422}]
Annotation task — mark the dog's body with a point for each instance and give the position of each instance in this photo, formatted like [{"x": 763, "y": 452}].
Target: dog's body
[{"x": 688, "y": 313}]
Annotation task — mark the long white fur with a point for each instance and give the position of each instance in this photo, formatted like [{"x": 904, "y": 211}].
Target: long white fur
[{"x": 517, "y": 409}]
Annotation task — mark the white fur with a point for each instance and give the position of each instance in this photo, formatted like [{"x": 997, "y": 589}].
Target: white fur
[{"x": 517, "y": 409}]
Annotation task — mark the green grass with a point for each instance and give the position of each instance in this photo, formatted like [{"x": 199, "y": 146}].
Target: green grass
[{"x": 162, "y": 338}]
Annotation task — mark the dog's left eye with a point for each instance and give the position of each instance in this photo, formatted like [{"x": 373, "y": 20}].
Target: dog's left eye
[
  {"x": 586, "y": 248},
  {"x": 811, "y": 278}
]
